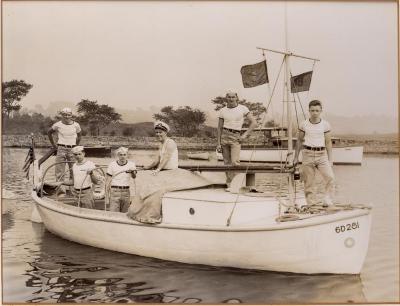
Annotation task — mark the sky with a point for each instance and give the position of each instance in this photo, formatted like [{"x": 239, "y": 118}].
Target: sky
[{"x": 140, "y": 56}]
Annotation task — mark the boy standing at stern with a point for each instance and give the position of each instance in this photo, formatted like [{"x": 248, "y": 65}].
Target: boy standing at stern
[
  {"x": 315, "y": 140},
  {"x": 119, "y": 173}
]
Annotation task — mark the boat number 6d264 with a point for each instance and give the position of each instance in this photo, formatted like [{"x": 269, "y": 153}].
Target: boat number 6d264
[{"x": 347, "y": 227}]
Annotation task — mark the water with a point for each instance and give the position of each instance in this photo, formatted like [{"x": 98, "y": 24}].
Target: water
[{"x": 41, "y": 267}]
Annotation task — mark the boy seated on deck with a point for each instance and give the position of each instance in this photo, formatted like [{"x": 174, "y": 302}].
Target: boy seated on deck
[{"x": 83, "y": 177}]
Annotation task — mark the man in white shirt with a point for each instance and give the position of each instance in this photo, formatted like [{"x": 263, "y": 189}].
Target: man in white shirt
[
  {"x": 83, "y": 177},
  {"x": 315, "y": 142},
  {"x": 229, "y": 136},
  {"x": 119, "y": 173},
  {"x": 69, "y": 136}
]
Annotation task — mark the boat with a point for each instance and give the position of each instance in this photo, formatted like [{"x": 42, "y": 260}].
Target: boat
[
  {"x": 238, "y": 227},
  {"x": 98, "y": 151},
  {"x": 198, "y": 155},
  {"x": 273, "y": 148},
  {"x": 90, "y": 151}
]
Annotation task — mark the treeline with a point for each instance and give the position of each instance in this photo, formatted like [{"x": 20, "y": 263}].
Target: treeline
[{"x": 101, "y": 119}]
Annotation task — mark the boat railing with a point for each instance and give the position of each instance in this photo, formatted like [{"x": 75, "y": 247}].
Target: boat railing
[{"x": 60, "y": 180}]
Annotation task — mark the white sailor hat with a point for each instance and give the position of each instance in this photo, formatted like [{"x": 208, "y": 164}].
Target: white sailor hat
[
  {"x": 66, "y": 110},
  {"x": 77, "y": 149},
  {"x": 122, "y": 150},
  {"x": 161, "y": 125},
  {"x": 231, "y": 92}
]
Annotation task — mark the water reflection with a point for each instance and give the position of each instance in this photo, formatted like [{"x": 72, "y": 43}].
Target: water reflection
[{"x": 67, "y": 272}]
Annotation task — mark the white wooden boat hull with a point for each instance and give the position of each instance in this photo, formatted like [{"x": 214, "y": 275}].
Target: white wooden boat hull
[
  {"x": 334, "y": 243},
  {"x": 341, "y": 155}
]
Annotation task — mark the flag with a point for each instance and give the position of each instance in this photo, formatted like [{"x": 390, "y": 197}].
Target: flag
[
  {"x": 301, "y": 82},
  {"x": 254, "y": 75},
  {"x": 28, "y": 161}
]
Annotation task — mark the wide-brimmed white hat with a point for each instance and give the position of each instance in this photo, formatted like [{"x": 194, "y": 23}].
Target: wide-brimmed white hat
[{"x": 161, "y": 125}]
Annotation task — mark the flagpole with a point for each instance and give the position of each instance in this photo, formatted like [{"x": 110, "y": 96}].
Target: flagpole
[
  {"x": 289, "y": 53},
  {"x": 288, "y": 107}
]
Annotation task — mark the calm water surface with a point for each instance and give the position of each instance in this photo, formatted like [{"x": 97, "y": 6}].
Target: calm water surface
[{"x": 40, "y": 267}]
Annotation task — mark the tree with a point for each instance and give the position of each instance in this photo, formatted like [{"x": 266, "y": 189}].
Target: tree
[
  {"x": 96, "y": 116},
  {"x": 257, "y": 109},
  {"x": 184, "y": 120},
  {"x": 128, "y": 131},
  {"x": 12, "y": 93}
]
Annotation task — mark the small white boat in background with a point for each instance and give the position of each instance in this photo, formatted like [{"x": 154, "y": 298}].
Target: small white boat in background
[
  {"x": 274, "y": 149},
  {"x": 198, "y": 155}
]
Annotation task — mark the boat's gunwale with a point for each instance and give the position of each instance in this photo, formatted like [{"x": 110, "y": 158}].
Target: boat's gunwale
[{"x": 74, "y": 211}]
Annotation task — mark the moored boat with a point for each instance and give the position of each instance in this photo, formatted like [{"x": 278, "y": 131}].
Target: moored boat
[
  {"x": 211, "y": 225},
  {"x": 98, "y": 151},
  {"x": 194, "y": 231},
  {"x": 274, "y": 149},
  {"x": 243, "y": 229}
]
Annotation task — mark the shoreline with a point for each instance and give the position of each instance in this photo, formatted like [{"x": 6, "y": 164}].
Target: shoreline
[{"x": 379, "y": 145}]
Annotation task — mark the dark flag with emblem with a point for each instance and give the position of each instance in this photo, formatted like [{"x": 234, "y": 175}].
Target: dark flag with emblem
[
  {"x": 28, "y": 161},
  {"x": 254, "y": 75},
  {"x": 301, "y": 82}
]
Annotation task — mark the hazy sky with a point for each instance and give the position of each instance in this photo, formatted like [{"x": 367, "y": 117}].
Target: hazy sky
[{"x": 141, "y": 54}]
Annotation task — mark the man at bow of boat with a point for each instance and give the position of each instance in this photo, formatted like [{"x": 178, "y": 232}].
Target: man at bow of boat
[
  {"x": 314, "y": 140},
  {"x": 117, "y": 184},
  {"x": 69, "y": 135},
  {"x": 167, "y": 158},
  {"x": 229, "y": 136},
  {"x": 83, "y": 177}
]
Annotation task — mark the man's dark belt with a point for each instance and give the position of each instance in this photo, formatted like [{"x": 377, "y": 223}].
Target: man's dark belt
[
  {"x": 314, "y": 148},
  {"x": 232, "y": 130},
  {"x": 120, "y": 187},
  {"x": 67, "y": 146},
  {"x": 86, "y": 188}
]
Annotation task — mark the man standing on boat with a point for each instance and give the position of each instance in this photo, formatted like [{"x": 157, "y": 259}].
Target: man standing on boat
[
  {"x": 69, "y": 136},
  {"x": 314, "y": 140},
  {"x": 83, "y": 177},
  {"x": 117, "y": 184},
  {"x": 229, "y": 137}
]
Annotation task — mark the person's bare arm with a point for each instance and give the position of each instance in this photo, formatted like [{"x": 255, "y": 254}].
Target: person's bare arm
[
  {"x": 253, "y": 124},
  {"x": 50, "y": 132},
  {"x": 328, "y": 146},
  {"x": 299, "y": 145},
  {"x": 219, "y": 133}
]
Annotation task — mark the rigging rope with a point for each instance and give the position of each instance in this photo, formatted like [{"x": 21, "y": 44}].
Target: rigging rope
[{"x": 228, "y": 222}]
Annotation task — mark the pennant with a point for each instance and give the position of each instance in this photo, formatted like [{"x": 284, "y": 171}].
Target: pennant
[
  {"x": 301, "y": 82},
  {"x": 254, "y": 75}
]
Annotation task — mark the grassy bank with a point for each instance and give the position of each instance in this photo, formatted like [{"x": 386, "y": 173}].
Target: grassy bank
[{"x": 382, "y": 144}]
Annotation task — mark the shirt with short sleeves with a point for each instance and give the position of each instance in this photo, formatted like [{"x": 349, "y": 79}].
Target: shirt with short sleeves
[
  {"x": 233, "y": 117},
  {"x": 123, "y": 178},
  {"x": 67, "y": 133},
  {"x": 314, "y": 133},
  {"x": 81, "y": 178}
]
